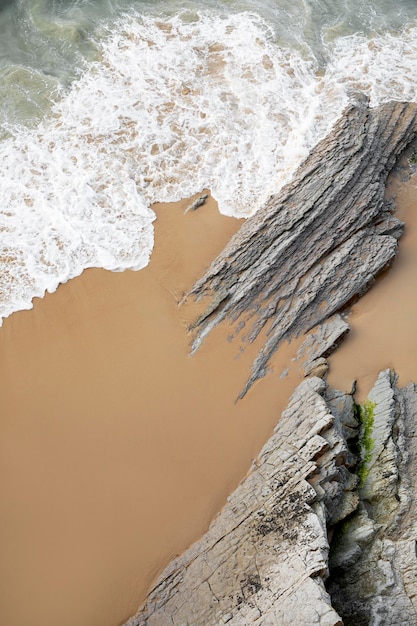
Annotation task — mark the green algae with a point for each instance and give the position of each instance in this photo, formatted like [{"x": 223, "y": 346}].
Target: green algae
[{"x": 365, "y": 414}]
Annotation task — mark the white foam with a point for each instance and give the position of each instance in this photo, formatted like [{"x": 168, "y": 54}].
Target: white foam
[
  {"x": 384, "y": 66},
  {"x": 173, "y": 107}
]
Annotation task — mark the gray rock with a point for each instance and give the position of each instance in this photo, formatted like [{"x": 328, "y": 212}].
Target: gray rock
[
  {"x": 320, "y": 242},
  {"x": 320, "y": 343},
  {"x": 373, "y": 558},
  {"x": 265, "y": 559},
  {"x": 265, "y": 556}
]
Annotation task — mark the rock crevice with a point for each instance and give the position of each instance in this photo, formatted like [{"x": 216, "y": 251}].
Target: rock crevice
[{"x": 373, "y": 558}]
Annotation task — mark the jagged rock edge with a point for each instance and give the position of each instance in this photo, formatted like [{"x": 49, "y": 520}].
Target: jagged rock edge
[{"x": 238, "y": 283}]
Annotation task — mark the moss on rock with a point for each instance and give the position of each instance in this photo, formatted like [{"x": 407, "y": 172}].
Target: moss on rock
[{"x": 365, "y": 414}]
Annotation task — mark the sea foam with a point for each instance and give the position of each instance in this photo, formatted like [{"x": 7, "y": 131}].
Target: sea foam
[{"x": 174, "y": 105}]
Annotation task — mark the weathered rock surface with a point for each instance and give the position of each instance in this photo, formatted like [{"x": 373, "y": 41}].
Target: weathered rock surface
[
  {"x": 265, "y": 556},
  {"x": 320, "y": 343},
  {"x": 320, "y": 242},
  {"x": 374, "y": 562}
]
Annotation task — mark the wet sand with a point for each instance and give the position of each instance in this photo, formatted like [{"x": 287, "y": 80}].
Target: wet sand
[
  {"x": 117, "y": 446},
  {"x": 384, "y": 321}
]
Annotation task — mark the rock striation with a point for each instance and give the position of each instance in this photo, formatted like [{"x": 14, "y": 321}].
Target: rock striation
[
  {"x": 373, "y": 558},
  {"x": 323, "y": 529},
  {"x": 319, "y": 344},
  {"x": 320, "y": 242},
  {"x": 265, "y": 557}
]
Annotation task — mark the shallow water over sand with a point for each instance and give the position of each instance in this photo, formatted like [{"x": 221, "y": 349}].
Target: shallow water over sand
[{"x": 117, "y": 447}]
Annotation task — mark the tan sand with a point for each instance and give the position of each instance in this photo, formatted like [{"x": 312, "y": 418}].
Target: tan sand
[
  {"x": 384, "y": 322},
  {"x": 117, "y": 447}
]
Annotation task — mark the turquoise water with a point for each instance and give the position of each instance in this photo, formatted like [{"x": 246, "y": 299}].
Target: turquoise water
[{"x": 107, "y": 107}]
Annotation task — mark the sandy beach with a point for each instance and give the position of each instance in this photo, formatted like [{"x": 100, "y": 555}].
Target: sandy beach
[{"x": 117, "y": 446}]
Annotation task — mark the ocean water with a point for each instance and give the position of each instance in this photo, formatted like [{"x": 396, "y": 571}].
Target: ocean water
[{"x": 109, "y": 106}]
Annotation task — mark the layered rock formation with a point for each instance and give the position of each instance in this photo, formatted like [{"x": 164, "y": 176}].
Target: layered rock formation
[
  {"x": 332, "y": 472},
  {"x": 265, "y": 558},
  {"x": 374, "y": 558},
  {"x": 320, "y": 242}
]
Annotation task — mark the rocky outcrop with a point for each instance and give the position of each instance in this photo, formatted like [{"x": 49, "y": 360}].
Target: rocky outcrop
[
  {"x": 323, "y": 474},
  {"x": 264, "y": 559},
  {"x": 322, "y": 531},
  {"x": 320, "y": 242},
  {"x": 373, "y": 557},
  {"x": 265, "y": 556}
]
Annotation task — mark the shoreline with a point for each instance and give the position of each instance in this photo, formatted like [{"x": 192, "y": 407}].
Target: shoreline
[
  {"x": 97, "y": 321},
  {"x": 118, "y": 446},
  {"x": 230, "y": 569}
]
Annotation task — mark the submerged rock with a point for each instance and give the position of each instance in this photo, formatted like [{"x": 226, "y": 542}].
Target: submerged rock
[
  {"x": 198, "y": 202},
  {"x": 320, "y": 343}
]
